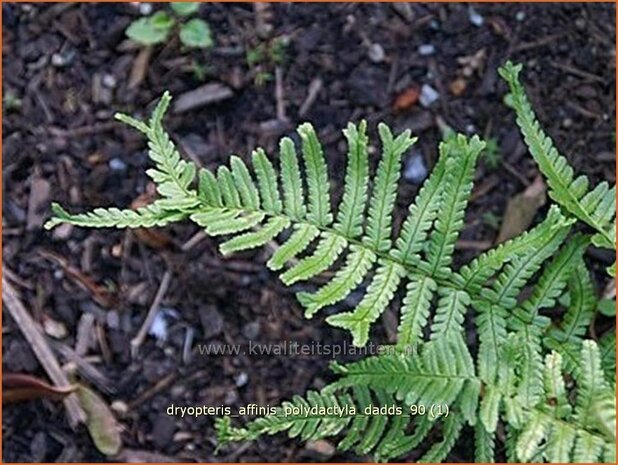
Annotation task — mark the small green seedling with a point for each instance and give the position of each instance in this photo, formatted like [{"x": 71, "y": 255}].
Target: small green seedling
[
  {"x": 492, "y": 155},
  {"x": 262, "y": 58},
  {"x": 156, "y": 28}
]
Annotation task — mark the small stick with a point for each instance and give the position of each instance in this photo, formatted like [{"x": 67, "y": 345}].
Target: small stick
[
  {"x": 138, "y": 340},
  {"x": 41, "y": 349},
  {"x": 279, "y": 95}
]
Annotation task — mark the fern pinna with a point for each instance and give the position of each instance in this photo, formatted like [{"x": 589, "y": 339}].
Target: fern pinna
[{"x": 514, "y": 381}]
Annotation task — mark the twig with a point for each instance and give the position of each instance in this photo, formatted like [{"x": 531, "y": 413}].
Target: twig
[
  {"x": 312, "y": 94},
  {"x": 41, "y": 349},
  {"x": 279, "y": 95},
  {"x": 138, "y": 340}
]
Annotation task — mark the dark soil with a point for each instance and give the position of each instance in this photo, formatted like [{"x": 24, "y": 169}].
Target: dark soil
[{"x": 67, "y": 69}]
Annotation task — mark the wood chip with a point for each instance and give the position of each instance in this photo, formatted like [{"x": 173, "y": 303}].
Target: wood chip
[{"x": 203, "y": 95}]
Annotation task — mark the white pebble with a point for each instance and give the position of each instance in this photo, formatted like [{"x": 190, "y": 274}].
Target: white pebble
[
  {"x": 116, "y": 164},
  {"x": 145, "y": 8},
  {"x": 520, "y": 16},
  {"x": 241, "y": 379},
  {"x": 415, "y": 171},
  {"x": 428, "y": 95},
  {"x": 475, "y": 18},
  {"x": 376, "y": 53},
  {"x": 426, "y": 49}
]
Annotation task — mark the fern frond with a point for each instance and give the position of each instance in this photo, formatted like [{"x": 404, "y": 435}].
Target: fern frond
[
  {"x": 484, "y": 445},
  {"x": 473, "y": 276},
  {"x": 267, "y": 182},
  {"x": 554, "y": 430},
  {"x": 379, "y": 294},
  {"x": 364, "y": 433},
  {"x": 554, "y": 279},
  {"x": 249, "y": 196},
  {"x": 350, "y": 216},
  {"x": 450, "y": 432},
  {"x": 325, "y": 254},
  {"x": 436, "y": 376},
  {"x": 458, "y": 185},
  {"x": 252, "y": 240},
  {"x": 415, "y": 311},
  {"x": 172, "y": 175},
  {"x": 319, "y": 211},
  {"x": 293, "y": 195},
  {"x": 151, "y": 215},
  {"x": 382, "y": 201},
  {"x": 597, "y": 207},
  {"x": 345, "y": 281},
  {"x": 581, "y": 308},
  {"x": 208, "y": 189},
  {"x": 298, "y": 241},
  {"x": 421, "y": 215},
  {"x": 450, "y": 313}
]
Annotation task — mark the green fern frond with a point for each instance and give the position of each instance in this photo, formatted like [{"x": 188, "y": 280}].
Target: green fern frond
[
  {"x": 253, "y": 207},
  {"x": 155, "y": 214},
  {"x": 596, "y": 207},
  {"x": 458, "y": 185}
]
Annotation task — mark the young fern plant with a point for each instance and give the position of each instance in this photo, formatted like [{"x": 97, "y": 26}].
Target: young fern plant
[{"x": 505, "y": 384}]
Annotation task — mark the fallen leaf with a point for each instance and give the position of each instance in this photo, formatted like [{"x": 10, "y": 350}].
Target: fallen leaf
[
  {"x": 18, "y": 387},
  {"x": 407, "y": 99},
  {"x": 139, "y": 68},
  {"x": 520, "y": 210},
  {"x": 101, "y": 422}
]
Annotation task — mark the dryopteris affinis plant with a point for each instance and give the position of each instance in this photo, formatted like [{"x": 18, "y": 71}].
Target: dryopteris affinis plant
[{"x": 513, "y": 390}]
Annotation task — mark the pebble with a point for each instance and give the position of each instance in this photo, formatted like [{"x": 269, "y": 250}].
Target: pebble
[
  {"x": 116, "y": 164},
  {"x": 520, "y": 16},
  {"x": 426, "y": 49},
  {"x": 241, "y": 379},
  {"x": 415, "y": 170},
  {"x": 475, "y": 18},
  {"x": 376, "y": 53},
  {"x": 60, "y": 60},
  {"x": 145, "y": 8},
  {"x": 158, "y": 328},
  {"x": 109, "y": 81},
  {"x": 428, "y": 95},
  {"x": 321, "y": 447}
]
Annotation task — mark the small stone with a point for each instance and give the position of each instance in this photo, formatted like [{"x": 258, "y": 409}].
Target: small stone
[
  {"x": 520, "y": 16},
  {"x": 321, "y": 448},
  {"x": 428, "y": 95},
  {"x": 120, "y": 408},
  {"x": 62, "y": 232},
  {"x": 475, "y": 18},
  {"x": 415, "y": 171},
  {"x": 144, "y": 8},
  {"x": 426, "y": 49},
  {"x": 376, "y": 53},
  {"x": 241, "y": 379},
  {"x": 116, "y": 164},
  {"x": 62, "y": 59},
  {"x": 580, "y": 24},
  {"x": 109, "y": 81}
]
